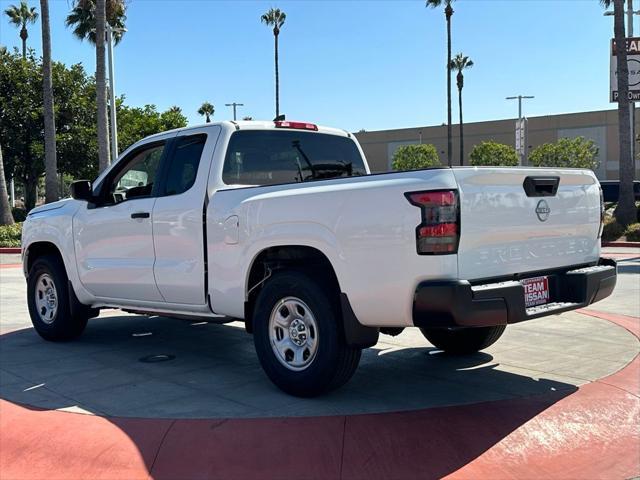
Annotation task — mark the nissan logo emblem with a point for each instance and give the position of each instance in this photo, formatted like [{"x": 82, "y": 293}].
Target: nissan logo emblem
[{"x": 543, "y": 210}]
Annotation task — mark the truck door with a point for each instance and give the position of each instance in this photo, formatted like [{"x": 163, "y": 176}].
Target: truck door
[
  {"x": 113, "y": 237},
  {"x": 178, "y": 235}
]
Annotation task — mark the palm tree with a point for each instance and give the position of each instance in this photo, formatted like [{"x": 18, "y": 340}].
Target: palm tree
[
  {"x": 460, "y": 63},
  {"x": 275, "y": 18},
  {"x": 21, "y": 16},
  {"x": 83, "y": 20},
  {"x": 207, "y": 109},
  {"x": 625, "y": 212},
  {"x": 89, "y": 19},
  {"x": 6, "y": 218},
  {"x": 448, "y": 12},
  {"x": 104, "y": 156},
  {"x": 51, "y": 167}
]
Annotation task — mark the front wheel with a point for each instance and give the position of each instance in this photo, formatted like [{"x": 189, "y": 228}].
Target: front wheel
[
  {"x": 50, "y": 303},
  {"x": 298, "y": 336},
  {"x": 462, "y": 341}
]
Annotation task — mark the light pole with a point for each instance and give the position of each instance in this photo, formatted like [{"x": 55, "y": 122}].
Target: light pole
[
  {"x": 523, "y": 147},
  {"x": 112, "y": 91},
  {"x": 234, "y": 105},
  {"x": 632, "y": 105}
]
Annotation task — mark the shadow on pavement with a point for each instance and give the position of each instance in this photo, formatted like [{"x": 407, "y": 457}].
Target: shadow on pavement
[
  {"x": 137, "y": 366},
  {"x": 213, "y": 375}
]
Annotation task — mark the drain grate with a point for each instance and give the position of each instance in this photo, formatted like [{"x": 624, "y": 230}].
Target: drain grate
[{"x": 157, "y": 358}]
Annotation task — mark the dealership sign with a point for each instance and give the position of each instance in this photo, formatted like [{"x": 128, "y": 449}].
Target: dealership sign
[{"x": 633, "y": 62}]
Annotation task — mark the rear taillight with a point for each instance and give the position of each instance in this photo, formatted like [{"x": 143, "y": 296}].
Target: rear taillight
[
  {"x": 439, "y": 232},
  {"x": 601, "y": 213}
]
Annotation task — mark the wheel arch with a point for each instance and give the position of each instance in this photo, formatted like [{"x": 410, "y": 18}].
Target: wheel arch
[
  {"x": 314, "y": 262},
  {"x": 42, "y": 248},
  {"x": 299, "y": 257},
  {"x": 38, "y": 249}
]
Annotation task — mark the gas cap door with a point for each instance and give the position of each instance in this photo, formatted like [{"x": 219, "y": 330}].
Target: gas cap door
[{"x": 231, "y": 229}]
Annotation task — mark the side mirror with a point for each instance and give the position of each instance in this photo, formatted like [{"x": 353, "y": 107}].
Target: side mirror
[{"x": 81, "y": 190}]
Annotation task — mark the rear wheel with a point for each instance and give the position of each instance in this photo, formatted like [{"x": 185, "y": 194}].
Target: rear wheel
[
  {"x": 55, "y": 312},
  {"x": 299, "y": 338},
  {"x": 462, "y": 341}
]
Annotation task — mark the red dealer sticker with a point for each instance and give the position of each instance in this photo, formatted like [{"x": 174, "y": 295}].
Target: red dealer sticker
[{"x": 536, "y": 291}]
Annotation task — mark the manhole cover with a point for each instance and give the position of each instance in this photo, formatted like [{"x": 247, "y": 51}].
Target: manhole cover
[{"x": 157, "y": 358}]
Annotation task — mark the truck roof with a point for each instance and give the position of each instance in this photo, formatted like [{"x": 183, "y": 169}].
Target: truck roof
[{"x": 252, "y": 125}]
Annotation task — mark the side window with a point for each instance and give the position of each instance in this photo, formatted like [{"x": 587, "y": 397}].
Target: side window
[
  {"x": 183, "y": 166},
  {"x": 136, "y": 178}
]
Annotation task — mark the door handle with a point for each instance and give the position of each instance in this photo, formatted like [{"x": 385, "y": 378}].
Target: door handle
[
  {"x": 140, "y": 215},
  {"x": 541, "y": 186}
]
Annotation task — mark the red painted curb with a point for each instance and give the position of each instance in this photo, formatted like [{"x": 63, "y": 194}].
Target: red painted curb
[
  {"x": 10, "y": 250},
  {"x": 621, "y": 244},
  {"x": 590, "y": 432},
  {"x": 621, "y": 256},
  {"x": 10, "y": 265}
]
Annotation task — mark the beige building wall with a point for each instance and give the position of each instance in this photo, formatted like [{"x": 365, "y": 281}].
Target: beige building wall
[{"x": 601, "y": 126}]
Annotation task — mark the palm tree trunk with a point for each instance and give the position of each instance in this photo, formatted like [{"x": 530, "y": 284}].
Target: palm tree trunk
[
  {"x": 625, "y": 212},
  {"x": 6, "y": 218},
  {"x": 101, "y": 87},
  {"x": 449, "y": 12},
  {"x": 277, "y": 78},
  {"x": 461, "y": 127},
  {"x": 23, "y": 37},
  {"x": 50, "y": 162},
  {"x": 30, "y": 191}
]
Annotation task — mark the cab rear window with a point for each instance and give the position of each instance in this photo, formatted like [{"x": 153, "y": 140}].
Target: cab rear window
[{"x": 276, "y": 157}]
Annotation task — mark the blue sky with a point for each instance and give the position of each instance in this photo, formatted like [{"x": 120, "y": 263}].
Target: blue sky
[{"x": 351, "y": 64}]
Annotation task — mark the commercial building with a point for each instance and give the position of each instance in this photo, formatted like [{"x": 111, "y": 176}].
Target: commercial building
[{"x": 599, "y": 126}]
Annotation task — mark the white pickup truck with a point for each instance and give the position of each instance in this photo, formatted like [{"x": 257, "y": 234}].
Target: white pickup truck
[{"x": 282, "y": 225}]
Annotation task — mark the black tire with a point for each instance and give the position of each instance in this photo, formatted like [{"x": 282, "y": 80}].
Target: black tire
[
  {"x": 70, "y": 318},
  {"x": 334, "y": 362},
  {"x": 463, "y": 341}
]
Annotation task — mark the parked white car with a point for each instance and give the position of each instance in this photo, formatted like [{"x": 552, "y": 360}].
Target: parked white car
[{"x": 282, "y": 225}]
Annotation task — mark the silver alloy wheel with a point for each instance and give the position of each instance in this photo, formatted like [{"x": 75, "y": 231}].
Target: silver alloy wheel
[
  {"x": 46, "y": 298},
  {"x": 293, "y": 333}
]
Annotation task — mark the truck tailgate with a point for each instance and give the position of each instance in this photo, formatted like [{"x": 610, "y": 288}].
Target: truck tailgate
[{"x": 509, "y": 229}]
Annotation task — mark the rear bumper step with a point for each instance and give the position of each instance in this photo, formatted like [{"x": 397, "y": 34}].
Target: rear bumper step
[{"x": 460, "y": 304}]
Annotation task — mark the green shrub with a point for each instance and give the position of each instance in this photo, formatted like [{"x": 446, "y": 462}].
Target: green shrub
[
  {"x": 19, "y": 214},
  {"x": 633, "y": 232},
  {"x": 612, "y": 230},
  {"x": 567, "y": 152},
  {"x": 493, "y": 154},
  {"x": 415, "y": 157},
  {"x": 10, "y": 235}
]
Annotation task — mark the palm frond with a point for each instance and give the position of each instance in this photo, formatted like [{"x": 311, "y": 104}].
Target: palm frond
[
  {"x": 437, "y": 3},
  {"x": 206, "y": 108},
  {"x": 82, "y": 19},
  {"x": 21, "y": 15},
  {"x": 460, "y": 62},
  {"x": 274, "y": 18}
]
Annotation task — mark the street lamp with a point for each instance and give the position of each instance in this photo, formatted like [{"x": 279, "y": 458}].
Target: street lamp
[
  {"x": 112, "y": 89},
  {"x": 234, "y": 105}
]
